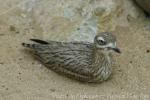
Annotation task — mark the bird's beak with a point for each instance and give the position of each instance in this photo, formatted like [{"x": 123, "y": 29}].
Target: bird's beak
[{"x": 116, "y": 50}]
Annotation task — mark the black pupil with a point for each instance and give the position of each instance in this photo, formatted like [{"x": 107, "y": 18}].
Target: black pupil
[{"x": 101, "y": 42}]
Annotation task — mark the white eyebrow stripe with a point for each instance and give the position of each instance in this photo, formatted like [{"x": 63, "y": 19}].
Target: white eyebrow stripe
[{"x": 100, "y": 38}]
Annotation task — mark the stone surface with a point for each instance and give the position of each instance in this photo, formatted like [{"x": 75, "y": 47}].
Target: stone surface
[
  {"x": 145, "y": 4},
  {"x": 24, "y": 78}
]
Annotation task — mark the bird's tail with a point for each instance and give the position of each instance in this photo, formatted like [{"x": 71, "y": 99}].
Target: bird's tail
[
  {"x": 38, "y": 45},
  {"x": 31, "y": 46}
]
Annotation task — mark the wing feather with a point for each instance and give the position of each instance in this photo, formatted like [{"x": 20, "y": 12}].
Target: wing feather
[{"x": 75, "y": 57}]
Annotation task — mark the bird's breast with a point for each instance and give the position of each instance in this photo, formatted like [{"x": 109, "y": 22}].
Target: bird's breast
[{"x": 102, "y": 66}]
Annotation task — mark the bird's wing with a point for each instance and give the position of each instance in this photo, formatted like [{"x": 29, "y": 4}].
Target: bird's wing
[{"x": 75, "y": 56}]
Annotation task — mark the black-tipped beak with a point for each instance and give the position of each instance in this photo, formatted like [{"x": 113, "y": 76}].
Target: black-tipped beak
[{"x": 117, "y": 50}]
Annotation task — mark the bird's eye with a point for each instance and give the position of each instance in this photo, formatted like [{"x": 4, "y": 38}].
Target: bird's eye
[{"x": 101, "y": 42}]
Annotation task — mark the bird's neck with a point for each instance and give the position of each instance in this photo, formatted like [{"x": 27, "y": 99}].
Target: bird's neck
[{"x": 101, "y": 54}]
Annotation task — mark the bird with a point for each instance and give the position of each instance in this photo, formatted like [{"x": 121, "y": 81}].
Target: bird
[{"x": 79, "y": 60}]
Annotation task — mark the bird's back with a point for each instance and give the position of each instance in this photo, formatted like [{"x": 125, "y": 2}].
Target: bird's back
[{"x": 72, "y": 57}]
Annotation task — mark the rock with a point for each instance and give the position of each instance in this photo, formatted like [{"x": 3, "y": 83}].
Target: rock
[
  {"x": 144, "y": 4},
  {"x": 71, "y": 20}
]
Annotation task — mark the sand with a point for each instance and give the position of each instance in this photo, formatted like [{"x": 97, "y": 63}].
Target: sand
[{"x": 24, "y": 78}]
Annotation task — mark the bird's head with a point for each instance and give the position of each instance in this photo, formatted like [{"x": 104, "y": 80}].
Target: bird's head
[{"x": 106, "y": 41}]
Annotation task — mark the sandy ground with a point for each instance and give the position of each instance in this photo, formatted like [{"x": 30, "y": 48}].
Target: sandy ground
[{"x": 24, "y": 78}]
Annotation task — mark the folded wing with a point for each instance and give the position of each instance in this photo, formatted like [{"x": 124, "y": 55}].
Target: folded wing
[{"x": 74, "y": 57}]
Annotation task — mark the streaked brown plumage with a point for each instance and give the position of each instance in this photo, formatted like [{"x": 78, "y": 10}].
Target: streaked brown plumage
[{"x": 88, "y": 62}]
